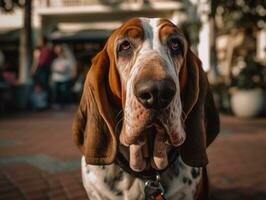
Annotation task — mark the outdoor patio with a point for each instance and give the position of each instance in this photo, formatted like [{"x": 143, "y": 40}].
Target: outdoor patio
[{"x": 39, "y": 161}]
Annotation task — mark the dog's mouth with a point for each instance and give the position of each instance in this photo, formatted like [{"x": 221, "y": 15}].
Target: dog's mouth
[
  {"x": 154, "y": 123},
  {"x": 149, "y": 147}
]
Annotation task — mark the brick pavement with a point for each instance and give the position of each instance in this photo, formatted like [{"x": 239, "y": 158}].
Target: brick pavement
[
  {"x": 238, "y": 160},
  {"x": 39, "y": 161}
]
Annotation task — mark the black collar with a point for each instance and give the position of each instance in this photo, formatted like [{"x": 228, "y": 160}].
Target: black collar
[{"x": 146, "y": 174}]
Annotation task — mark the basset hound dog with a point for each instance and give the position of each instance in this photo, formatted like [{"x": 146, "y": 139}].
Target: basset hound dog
[{"x": 146, "y": 117}]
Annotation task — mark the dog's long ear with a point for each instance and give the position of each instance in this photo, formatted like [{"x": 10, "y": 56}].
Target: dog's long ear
[
  {"x": 200, "y": 115},
  {"x": 93, "y": 126}
]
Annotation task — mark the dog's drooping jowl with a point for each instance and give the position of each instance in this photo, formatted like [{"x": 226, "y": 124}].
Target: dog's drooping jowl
[{"x": 146, "y": 116}]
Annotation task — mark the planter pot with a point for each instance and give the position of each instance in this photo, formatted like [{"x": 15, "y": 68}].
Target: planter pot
[{"x": 247, "y": 103}]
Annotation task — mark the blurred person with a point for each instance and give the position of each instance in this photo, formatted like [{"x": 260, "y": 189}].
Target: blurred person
[
  {"x": 39, "y": 98},
  {"x": 7, "y": 74},
  {"x": 41, "y": 66},
  {"x": 43, "y": 57},
  {"x": 63, "y": 72}
]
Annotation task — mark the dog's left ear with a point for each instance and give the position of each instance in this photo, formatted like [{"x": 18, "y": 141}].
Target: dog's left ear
[
  {"x": 93, "y": 128},
  {"x": 200, "y": 115}
]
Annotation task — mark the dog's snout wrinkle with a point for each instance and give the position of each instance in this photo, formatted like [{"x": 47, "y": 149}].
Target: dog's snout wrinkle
[{"x": 155, "y": 94}]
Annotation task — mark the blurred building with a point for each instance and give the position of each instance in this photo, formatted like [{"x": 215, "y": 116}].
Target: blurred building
[{"x": 83, "y": 24}]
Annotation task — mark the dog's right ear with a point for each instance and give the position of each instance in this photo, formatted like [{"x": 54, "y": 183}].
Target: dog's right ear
[
  {"x": 93, "y": 126},
  {"x": 199, "y": 112}
]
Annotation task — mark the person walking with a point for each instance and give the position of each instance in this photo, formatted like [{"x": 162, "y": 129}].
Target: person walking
[
  {"x": 63, "y": 72},
  {"x": 43, "y": 57}
]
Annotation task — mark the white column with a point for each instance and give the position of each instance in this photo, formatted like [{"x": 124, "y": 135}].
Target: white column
[
  {"x": 25, "y": 51},
  {"x": 261, "y": 45},
  {"x": 23, "y": 68},
  {"x": 204, "y": 46},
  {"x": 204, "y": 35}
]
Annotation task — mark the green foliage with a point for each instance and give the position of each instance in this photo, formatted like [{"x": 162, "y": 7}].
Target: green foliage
[
  {"x": 241, "y": 13},
  {"x": 191, "y": 26},
  {"x": 253, "y": 75},
  {"x": 191, "y": 30}
]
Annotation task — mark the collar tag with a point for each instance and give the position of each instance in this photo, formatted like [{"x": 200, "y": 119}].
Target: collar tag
[
  {"x": 159, "y": 197},
  {"x": 153, "y": 189}
]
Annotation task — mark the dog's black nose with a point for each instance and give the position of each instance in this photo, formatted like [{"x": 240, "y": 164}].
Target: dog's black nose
[{"x": 155, "y": 94}]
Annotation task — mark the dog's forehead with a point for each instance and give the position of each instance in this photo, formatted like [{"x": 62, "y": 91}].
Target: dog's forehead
[
  {"x": 154, "y": 25},
  {"x": 148, "y": 27},
  {"x": 152, "y": 31},
  {"x": 128, "y": 28}
]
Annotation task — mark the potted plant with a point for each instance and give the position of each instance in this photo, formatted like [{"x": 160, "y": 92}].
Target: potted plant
[{"x": 248, "y": 87}]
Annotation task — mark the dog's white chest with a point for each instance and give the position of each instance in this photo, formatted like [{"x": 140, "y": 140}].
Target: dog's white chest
[{"x": 111, "y": 183}]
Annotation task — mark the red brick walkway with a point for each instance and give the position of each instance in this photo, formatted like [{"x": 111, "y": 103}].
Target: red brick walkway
[
  {"x": 39, "y": 161},
  {"x": 238, "y": 160}
]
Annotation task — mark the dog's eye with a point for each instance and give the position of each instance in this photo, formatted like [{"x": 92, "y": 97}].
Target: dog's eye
[
  {"x": 174, "y": 44},
  {"x": 125, "y": 46}
]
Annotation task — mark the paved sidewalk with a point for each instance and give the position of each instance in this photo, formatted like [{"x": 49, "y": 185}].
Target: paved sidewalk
[
  {"x": 238, "y": 160},
  {"x": 39, "y": 161}
]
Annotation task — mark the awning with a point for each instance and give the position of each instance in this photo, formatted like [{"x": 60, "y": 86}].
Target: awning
[
  {"x": 80, "y": 36},
  {"x": 9, "y": 37}
]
